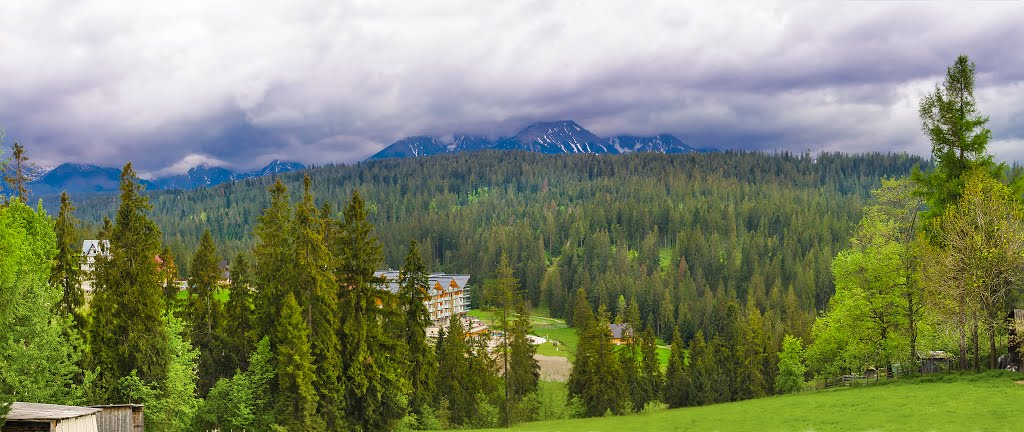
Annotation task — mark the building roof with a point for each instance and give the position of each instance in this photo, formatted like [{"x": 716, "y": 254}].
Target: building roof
[
  {"x": 448, "y": 283},
  {"x": 25, "y": 411},
  {"x": 92, "y": 247},
  {"x": 620, "y": 331}
]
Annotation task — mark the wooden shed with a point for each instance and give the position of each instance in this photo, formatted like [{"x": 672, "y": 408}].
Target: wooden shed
[
  {"x": 120, "y": 418},
  {"x": 36, "y": 417}
]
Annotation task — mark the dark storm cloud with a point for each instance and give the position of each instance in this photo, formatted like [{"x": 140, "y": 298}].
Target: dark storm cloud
[{"x": 174, "y": 84}]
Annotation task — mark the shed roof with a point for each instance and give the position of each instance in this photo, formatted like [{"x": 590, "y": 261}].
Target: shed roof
[{"x": 26, "y": 411}]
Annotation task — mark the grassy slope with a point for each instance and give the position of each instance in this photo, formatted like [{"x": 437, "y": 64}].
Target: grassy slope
[{"x": 987, "y": 402}]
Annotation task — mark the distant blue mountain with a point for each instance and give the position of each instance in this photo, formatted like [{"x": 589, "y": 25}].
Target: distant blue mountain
[
  {"x": 559, "y": 137},
  {"x": 84, "y": 178}
]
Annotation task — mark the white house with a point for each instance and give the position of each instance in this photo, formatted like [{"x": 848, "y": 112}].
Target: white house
[{"x": 90, "y": 250}]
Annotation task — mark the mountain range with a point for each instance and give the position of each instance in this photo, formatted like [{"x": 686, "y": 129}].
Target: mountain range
[
  {"x": 556, "y": 137},
  {"x": 79, "y": 178}
]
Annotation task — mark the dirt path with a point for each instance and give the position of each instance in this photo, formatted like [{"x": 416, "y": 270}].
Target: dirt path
[{"x": 553, "y": 368}]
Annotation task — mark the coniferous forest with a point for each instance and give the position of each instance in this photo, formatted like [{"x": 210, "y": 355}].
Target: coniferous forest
[{"x": 765, "y": 273}]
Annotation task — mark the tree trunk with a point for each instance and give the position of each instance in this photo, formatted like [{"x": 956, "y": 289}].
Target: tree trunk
[
  {"x": 977, "y": 356},
  {"x": 992, "y": 343}
]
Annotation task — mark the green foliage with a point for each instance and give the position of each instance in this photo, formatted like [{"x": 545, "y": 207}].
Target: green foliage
[
  {"x": 523, "y": 369},
  {"x": 67, "y": 267},
  {"x": 172, "y": 405},
  {"x": 956, "y": 128},
  {"x": 597, "y": 377},
  {"x": 296, "y": 397},
  {"x": 38, "y": 359},
  {"x": 274, "y": 261},
  {"x": 677, "y": 381},
  {"x": 127, "y": 332},
  {"x": 206, "y": 314},
  {"x": 243, "y": 402},
  {"x": 239, "y": 329},
  {"x": 421, "y": 367},
  {"x": 791, "y": 368}
]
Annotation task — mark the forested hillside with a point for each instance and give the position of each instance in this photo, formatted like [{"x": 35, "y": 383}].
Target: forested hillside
[{"x": 675, "y": 231}]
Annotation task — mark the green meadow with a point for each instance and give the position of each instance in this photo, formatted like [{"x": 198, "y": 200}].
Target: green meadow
[{"x": 982, "y": 402}]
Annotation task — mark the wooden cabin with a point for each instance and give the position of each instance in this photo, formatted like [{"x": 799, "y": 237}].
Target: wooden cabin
[
  {"x": 37, "y": 417},
  {"x": 120, "y": 418}
]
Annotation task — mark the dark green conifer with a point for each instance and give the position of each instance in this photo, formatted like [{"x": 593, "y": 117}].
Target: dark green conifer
[
  {"x": 206, "y": 314},
  {"x": 421, "y": 366},
  {"x": 67, "y": 268},
  {"x": 127, "y": 332},
  {"x": 677, "y": 380},
  {"x": 239, "y": 332},
  {"x": 274, "y": 260},
  {"x": 318, "y": 291},
  {"x": 296, "y": 374}
]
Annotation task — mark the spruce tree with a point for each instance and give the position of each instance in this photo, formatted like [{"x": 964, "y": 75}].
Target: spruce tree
[
  {"x": 318, "y": 291},
  {"x": 238, "y": 329},
  {"x": 274, "y": 260},
  {"x": 597, "y": 378},
  {"x": 524, "y": 371},
  {"x": 454, "y": 382},
  {"x": 703, "y": 372},
  {"x": 206, "y": 314},
  {"x": 375, "y": 388},
  {"x": 421, "y": 367},
  {"x": 67, "y": 268},
  {"x": 677, "y": 380},
  {"x": 582, "y": 315},
  {"x": 127, "y": 331},
  {"x": 296, "y": 389},
  {"x": 650, "y": 369},
  {"x": 170, "y": 276}
]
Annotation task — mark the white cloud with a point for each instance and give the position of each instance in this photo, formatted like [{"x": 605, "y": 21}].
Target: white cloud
[{"x": 103, "y": 81}]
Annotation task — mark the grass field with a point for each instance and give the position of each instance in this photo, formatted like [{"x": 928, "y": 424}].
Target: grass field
[{"x": 983, "y": 402}]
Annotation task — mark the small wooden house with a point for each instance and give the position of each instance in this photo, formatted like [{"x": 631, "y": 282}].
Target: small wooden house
[
  {"x": 37, "y": 417},
  {"x": 621, "y": 333}
]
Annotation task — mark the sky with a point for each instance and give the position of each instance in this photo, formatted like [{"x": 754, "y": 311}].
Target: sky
[{"x": 173, "y": 84}]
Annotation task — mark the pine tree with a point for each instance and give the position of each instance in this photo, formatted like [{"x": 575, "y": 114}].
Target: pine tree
[
  {"x": 67, "y": 267},
  {"x": 296, "y": 374},
  {"x": 316, "y": 287},
  {"x": 239, "y": 331},
  {"x": 582, "y": 315},
  {"x": 206, "y": 314},
  {"x": 677, "y": 380},
  {"x": 274, "y": 260},
  {"x": 127, "y": 332},
  {"x": 703, "y": 372},
  {"x": 421, "y": 367}
]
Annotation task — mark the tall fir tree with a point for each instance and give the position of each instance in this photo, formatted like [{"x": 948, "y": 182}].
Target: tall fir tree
[
  {"x": 316, "y": 287},
  {"x": 421, "y": 367},
  {"x": 651, "y": 377},
  {"x": 206, "y": 314},
  {"x": 67, "y": 268},
  {"x": 375, "y": 388},
  {"x": 127, "y": 331},
  {"x": 597, "y": 378},
  {"x": 296, "y": 398},
  {"x": 274, "y": 260},
  {"x": 239, "y": 332},
  {"x": 677, "y": 380},
  {"x": 454, "y": 382},
  {"x": 170, "y": 280},
  {"x": 524, "y": 371}
]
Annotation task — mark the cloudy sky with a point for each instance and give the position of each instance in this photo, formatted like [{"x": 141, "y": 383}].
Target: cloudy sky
[{"x": 172, "y": 84}]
